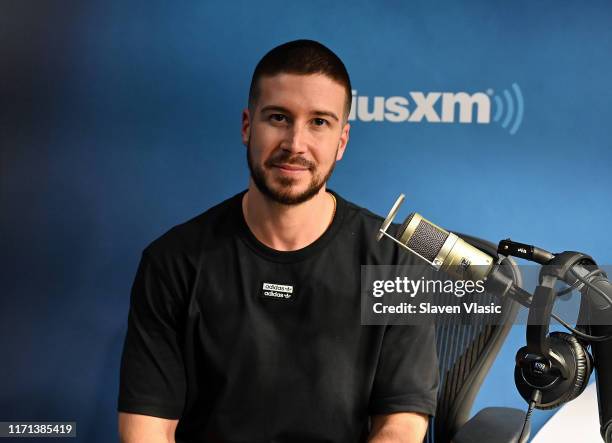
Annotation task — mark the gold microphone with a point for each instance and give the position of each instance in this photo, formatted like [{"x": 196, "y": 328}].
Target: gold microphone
[{"x": 443, "y": 250}]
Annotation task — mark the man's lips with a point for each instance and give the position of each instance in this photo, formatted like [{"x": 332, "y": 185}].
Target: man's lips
[{"x": 291, "y": 168}]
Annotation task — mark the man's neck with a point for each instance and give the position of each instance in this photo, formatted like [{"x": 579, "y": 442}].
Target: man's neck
[{"x": 287, "y": 227}]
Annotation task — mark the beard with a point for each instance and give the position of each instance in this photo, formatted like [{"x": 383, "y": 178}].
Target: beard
[{"x": 283, "y": 190}]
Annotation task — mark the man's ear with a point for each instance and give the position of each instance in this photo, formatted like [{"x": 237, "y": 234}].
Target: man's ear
[
  {"x": 246, "y": 126},
  {"x": 344, "y": 138}
]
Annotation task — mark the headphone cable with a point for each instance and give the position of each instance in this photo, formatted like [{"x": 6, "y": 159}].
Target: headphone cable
[{"x": 536, "y": 397}]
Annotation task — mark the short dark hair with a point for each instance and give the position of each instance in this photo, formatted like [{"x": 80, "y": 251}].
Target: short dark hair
[{"x": 302, "y": 57}]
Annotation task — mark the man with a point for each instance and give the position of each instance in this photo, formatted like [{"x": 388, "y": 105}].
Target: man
[{"x": 244, "y": 323}]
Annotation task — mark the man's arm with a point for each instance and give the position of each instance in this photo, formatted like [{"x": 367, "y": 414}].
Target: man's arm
[
  {"x": 152, "y": 386},
  {"x": 400, "y": 427},
  {"x": 136, "y": 428}
]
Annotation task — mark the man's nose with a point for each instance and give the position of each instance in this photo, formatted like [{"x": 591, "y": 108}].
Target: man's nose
[{"x": 296, "y": 139}]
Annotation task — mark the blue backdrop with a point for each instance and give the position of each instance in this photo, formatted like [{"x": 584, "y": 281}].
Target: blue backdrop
[{"x": 121, "y": 119}]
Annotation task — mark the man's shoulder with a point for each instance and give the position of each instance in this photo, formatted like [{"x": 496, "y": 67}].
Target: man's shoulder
[
  {"x": 199, "y": 232},
  {"x": 360, "y": 212}
]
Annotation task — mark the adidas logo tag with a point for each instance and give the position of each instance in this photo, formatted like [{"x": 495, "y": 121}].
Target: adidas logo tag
[{"x": 276, "y": 291}]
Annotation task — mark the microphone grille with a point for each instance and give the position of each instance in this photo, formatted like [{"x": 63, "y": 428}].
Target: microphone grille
[
  {"x": 427, "y": 239},
  {"x": 404, "y": 225}
]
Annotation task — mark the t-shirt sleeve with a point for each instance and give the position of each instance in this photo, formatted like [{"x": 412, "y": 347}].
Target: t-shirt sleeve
[
  {"x": 152, "y": 376},
  {"x": 407, "y": 376}
]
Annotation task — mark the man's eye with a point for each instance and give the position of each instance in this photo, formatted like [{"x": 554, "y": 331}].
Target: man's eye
[
  {"x": 320, "y": 122},
  {"x": 278, "y": 117}
]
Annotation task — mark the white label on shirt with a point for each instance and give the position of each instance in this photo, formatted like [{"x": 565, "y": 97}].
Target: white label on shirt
[{"x": 274, "y": 290}]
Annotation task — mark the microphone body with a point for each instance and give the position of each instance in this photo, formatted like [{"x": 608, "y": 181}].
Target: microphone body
[
  {"x": 449, "y": 253},
  {"x": 444, "y": 250}
]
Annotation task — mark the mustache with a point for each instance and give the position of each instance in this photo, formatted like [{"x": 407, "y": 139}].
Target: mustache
[{"x": 284, "y": 157}]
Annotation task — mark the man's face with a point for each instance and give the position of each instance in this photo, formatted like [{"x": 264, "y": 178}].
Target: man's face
[{"x": 294, "y": 135}]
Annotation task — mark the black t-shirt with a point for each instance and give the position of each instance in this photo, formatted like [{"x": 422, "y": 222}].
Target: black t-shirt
[{"x": 244, "y": 343}]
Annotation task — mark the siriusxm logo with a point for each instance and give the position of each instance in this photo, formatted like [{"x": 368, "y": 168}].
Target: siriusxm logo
[{"x": 443, "y": 107}]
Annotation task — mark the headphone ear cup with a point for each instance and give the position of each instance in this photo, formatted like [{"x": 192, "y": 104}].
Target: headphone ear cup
[
  {"x": 580, "y": 369},
  {"x": 588, "y": 369}
]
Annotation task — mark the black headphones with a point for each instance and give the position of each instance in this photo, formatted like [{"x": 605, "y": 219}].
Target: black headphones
[
  {"x": 553, "y": 368},
  {"x": 560, "y": 377}
]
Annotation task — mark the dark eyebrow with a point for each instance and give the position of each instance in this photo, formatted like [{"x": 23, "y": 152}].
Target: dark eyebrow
[
  {"x": 276, "y": 108},
  {"x": 327, "y": 114}
]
